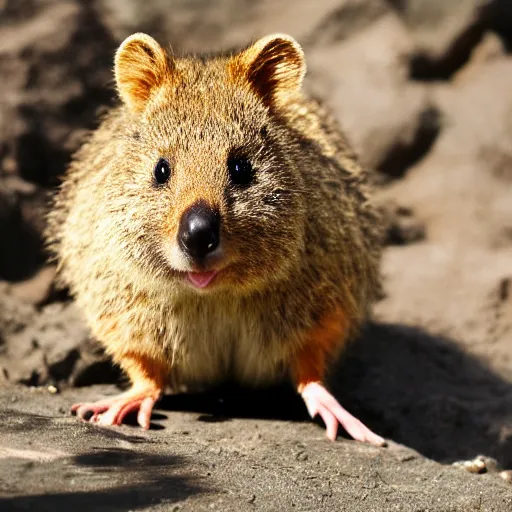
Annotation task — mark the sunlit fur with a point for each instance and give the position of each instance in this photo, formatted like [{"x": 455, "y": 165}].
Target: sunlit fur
[{"x": 299, "y": 243}]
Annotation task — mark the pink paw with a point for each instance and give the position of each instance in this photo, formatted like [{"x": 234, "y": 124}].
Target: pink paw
[
  {"x": 112, "y": 411},
  {"x": 320, "y": 401}
]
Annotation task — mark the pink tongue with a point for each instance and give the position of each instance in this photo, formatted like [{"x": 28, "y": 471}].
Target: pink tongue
[{"x": 201, "y": 279}]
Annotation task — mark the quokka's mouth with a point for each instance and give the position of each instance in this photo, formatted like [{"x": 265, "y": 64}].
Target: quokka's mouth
[{"x": 201, "y": 279}]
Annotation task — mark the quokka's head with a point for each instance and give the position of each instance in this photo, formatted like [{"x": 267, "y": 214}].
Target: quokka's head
[{"x": 206, "y": 166}]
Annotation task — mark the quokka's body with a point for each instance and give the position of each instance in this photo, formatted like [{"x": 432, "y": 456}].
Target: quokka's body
[{"x": 217, "y": 225}]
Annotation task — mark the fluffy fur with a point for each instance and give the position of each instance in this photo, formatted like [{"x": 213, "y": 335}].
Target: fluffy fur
[{"x": 301, "y": 244}]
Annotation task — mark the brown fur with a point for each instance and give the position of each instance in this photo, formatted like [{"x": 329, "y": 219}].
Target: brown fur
[
  {"x": 322, "y": 342},
  {"x": 301, "y": 244}
]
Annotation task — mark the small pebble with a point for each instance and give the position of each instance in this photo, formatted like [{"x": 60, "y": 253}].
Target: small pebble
[
  {"x": 473, "y": 466},
  {"x": 52, "y": 389},
  {"x": 507, "y": 475},
  {"x": 491, "y": 465}
]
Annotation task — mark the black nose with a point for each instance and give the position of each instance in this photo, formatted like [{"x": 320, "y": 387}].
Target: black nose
[{"x": 199, "y": 231}]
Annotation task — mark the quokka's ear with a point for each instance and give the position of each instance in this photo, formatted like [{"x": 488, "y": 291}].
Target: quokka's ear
[
  {"x": 141, "y": 65},
  {"x": 274, "y": 66}
]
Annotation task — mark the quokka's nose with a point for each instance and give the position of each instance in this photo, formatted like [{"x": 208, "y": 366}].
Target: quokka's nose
[{"x": 199, "y": 232}]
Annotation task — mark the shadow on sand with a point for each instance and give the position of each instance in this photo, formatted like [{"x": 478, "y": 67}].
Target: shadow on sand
[
  {"x": 414, "y": 388},
  {"x": 102, "y": 478}
]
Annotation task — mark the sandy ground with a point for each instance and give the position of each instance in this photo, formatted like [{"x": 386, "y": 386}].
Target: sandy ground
[
  {"x": 212, "y": 459},
  {"x": 424, "y": 91}
]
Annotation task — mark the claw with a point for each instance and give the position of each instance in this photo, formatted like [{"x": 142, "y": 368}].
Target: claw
[
  {"x": 319, "y": 401},
  {"x": 112, "y": 411}
]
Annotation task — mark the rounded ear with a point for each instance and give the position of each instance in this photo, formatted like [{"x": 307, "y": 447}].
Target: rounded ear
[
  {"x": 141, "y": 65},
  {"x": 274, "y": 66}
]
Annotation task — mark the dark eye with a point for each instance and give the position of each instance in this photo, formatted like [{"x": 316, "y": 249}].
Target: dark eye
[
  {"x": 240, "y": 171},
  {"x": 162, "y": 171}
]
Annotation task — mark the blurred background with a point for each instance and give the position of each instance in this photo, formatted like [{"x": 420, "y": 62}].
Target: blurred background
[{"x": 423, "y": 89}]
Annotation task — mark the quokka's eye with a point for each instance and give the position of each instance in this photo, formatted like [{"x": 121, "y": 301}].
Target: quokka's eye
[
  {"x": 240, "y": 171},
  {"x": 162, "y": 171}
]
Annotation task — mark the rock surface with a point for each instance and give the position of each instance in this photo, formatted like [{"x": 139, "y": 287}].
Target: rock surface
[
  {"x": 205, "y": 461},
  {"x": 424, "y": 90}
]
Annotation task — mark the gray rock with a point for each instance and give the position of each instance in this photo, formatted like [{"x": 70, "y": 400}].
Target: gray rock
[
  {"x": 56, "y": 66},
  {"x": 51, "y": 346},
  {"x": 365, "y": 80},
  {"x": 444, "y": 33}
]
